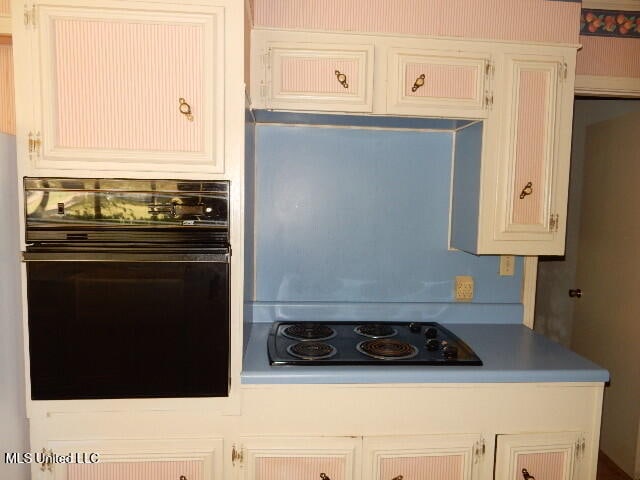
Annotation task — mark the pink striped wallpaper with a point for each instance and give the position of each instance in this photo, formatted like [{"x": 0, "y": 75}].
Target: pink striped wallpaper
[
  {"x": 530, "y": 132},
  {"x": 441, "y": 81},
  {"x": 7, "y": 101},
  {"x": 446, "y": 467},
  {"x": 607, "y": 56},
  {"x": 536, "y": 20},
  {"x": 543, "y": 466},
  {"x": 281, "y": 468},
  {"x": 5, "y": 7},
  {"x": 317, "y": 75},
  {"x": 170, "y": 470},
  {"x": 119, "y": 83}
]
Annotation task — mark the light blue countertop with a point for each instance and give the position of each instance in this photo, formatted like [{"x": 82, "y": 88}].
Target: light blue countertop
[{"x": 510, "y": 354}]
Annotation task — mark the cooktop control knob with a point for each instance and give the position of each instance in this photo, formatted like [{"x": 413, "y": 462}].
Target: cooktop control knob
[
  {"x": 433, "y": 345},
  {"x": 450, "y": 351},
  {"x": 431, "y": 333},
  {"x": 415, "y": 327}
]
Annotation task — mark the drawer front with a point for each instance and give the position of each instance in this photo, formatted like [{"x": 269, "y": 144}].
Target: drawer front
[
  {"x": 432, "y": 83},
  {"x": 313, "y": 78}
]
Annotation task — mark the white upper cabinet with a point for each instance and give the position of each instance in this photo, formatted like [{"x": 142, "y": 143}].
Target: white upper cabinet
[
  {"x": 512, "y": 198},
  {"x": 122, "y": 86},
  {"x": 439, "y": 82},
  {"x": 319, "y": 77}
]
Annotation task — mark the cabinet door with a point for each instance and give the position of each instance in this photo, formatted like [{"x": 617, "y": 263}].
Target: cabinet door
[
  {"x": 534, "y": 170},
  {"x": 511, "y": 173},
  {"x": 438, "y": 83},
  {"x": 324, "y": 458},
  {"x": 445, "y": 457},
  {"x": 124, "y": 88},
  {"x": 132, "y": 459},
  {"x": 320, "y": 77},
  {"x": 549, "y": 456}
]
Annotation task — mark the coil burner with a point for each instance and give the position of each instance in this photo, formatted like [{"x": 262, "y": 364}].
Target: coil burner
[
  {"x": 387, "y": 349},
  {"x": 375, "y": 330},
  {"x": 312, "y": 350},
  {"x": 309, "y": 331}
]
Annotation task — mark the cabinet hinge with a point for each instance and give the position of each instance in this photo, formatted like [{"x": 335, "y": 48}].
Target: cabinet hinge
[
  {"x": 554, "y": 222},
  {"x": 479, "y": 450},
  {"x": 30, "y": 15},
  {"x": 46, "y": 461},
  {"x": 266, "y": 59},
  {"x": 581, "y": 446},
  {"x": 34, "y": 144},
  {"x": 488, "y": 100},
  {"x": 489, "y": 69},
  {"x": 563, "y": 71},
  {"x": 237, "y": 455}
]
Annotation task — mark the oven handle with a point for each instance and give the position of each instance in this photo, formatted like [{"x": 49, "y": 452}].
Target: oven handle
[{"x": 125, "y": 257}]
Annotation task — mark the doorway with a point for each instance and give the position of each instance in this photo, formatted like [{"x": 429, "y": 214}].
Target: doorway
[{"x": 603, "y": 227}]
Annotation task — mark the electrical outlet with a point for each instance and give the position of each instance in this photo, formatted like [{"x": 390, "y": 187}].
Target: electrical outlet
[
  {"x": 464, "y": 288},
  {"x": 507, "y": 265}
]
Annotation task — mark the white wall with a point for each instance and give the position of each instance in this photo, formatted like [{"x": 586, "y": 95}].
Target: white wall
[{"x": 13, "y": 423}]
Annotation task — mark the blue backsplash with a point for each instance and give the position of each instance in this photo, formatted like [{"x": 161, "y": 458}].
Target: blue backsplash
[{"x": 361, "y": 215}]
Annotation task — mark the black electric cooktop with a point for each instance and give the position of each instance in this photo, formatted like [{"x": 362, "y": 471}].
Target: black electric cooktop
[{"x": 367, "y": 343}]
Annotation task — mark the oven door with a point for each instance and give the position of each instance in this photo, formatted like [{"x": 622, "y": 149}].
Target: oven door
[{"x": 128, "y": 325}]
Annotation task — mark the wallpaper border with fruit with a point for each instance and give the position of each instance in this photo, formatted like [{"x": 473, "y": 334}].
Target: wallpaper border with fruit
[{"x": 610, "y": 23}]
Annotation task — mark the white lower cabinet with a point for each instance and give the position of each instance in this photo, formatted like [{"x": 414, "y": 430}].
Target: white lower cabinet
[
  {"x": 445, "y": 457},
  {"x": 178, "y": 459},
  {"x": 541, "y": 456},
  {"x": 310, "y": 458},
  {"x": 442, "y": 457},
  {"x": 548, "y": 456}
]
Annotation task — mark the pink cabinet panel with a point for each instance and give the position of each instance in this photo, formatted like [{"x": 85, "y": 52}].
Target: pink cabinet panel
[
  {"x": 7, "y": 103},
  {"x": 441, "y": 81},
  {"x": 547, "y": 466},
  {"x": 320, "y": 77},
  {"x": 444, "y": 467},
  {"x": 5, "y": 7},
  {"x": 279, "y": 468},
  {"x": 533, "y": 107},
  {"x": 438, "y": 82},
  {"x": 118, "y": 84},
  {"x": 543, "y": 456},
  {"x": 168, "y": 470}
]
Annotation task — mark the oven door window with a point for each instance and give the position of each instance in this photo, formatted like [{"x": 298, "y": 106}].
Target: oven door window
[{"x": 128, "y": 330}]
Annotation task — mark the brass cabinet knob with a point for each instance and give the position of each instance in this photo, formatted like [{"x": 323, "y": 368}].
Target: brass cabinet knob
[
  {"x": 342, "y": 78},
  {"x": 185, "y": 109},
  {"x": 416, "y": 85},
  {"x": 526, "y": 476},
  {"x": 527, "y": 190}
]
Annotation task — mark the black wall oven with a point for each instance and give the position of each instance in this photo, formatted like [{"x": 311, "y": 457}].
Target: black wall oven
[{"x": 128, "y": 288}]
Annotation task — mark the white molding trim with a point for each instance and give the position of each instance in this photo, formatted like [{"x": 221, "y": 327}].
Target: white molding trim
[
  {"x": 5, "y": 24},
  {"x": 607, "y": 86},
  {"x": 529, "y": 280},
  {"x": 612, "y": 4}
]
